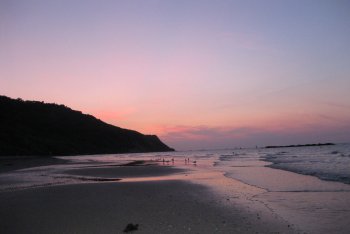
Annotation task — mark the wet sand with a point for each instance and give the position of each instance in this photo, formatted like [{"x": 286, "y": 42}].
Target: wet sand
[
  {"x": 312, "y": 205},
  {"x": 158, "y": 207},
  {"x": 123, "y": 171},
  {"x": 162, "y": 200}
]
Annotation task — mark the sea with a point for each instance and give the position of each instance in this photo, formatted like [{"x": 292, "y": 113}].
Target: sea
[
  {"x": 328, "y": 162},
  {"x": 255, "y": 166}
]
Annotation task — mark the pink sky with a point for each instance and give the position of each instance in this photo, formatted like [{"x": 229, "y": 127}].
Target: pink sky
[{"x": 208, "y": 75}]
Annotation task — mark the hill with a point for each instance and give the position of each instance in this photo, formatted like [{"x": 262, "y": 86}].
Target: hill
[{"x": 38, "y": 128}]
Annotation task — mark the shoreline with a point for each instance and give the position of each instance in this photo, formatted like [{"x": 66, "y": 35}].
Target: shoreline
[
  {"x": 262, "y": 199},
  {"x": 312, "y": 205},
  {"x": 160, "y": 199}
]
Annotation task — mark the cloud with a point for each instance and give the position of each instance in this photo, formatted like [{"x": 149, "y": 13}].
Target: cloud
[
  {"x": 199, "y": 137},
  {"x": 204, "y": 132},
  {"x": 211, "y": 137}
]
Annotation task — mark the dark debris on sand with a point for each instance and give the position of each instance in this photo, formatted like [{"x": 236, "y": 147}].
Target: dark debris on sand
[
  {"x": 134, "y": 163},
  {"x": 131, "y": 227}
]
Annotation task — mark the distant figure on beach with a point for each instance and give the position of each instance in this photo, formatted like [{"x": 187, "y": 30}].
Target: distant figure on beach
[{"x": 173, "y": 160}]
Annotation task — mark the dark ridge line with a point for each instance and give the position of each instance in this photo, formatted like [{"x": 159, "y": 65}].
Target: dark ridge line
[
  {"x": 302, "y": 145},
  {"x": 32, "y": 128}
]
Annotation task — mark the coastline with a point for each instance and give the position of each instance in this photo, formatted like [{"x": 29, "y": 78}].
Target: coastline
[
  {"x": 160, "y": 199},
  {"x": 242, "y": 195},
  {"x": 310, "y": 204}
]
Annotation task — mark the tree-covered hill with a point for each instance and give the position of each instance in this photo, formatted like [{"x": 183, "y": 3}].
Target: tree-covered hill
[{"x": 37, "y": 128}]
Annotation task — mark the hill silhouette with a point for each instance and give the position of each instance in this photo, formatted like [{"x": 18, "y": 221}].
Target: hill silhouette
[{"x": 38, "y": 128}]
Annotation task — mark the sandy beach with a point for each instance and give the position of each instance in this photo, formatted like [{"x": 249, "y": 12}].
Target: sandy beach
[
  {"x": 159, "y": 199},
  {"x": 217, "y": 194}
]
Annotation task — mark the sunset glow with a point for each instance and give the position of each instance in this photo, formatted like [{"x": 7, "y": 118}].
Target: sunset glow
[{"x": 199, "y": 74}]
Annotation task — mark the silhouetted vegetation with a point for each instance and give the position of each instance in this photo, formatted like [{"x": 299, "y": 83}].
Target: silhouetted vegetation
[
  {"x": 38, "y": 128},
  {"x": 284, "y": 146}
]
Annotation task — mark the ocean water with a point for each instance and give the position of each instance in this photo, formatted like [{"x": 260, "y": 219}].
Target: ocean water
[
  {"x": 252, "y": 166},
  {"x": 325, "y": 162},
  {"x": 308, "y": 186},
  {"x": 331, "y": 163}
]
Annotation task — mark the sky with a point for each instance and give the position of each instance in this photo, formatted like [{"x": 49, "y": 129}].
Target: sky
[{"x": 199, "y": 74}]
